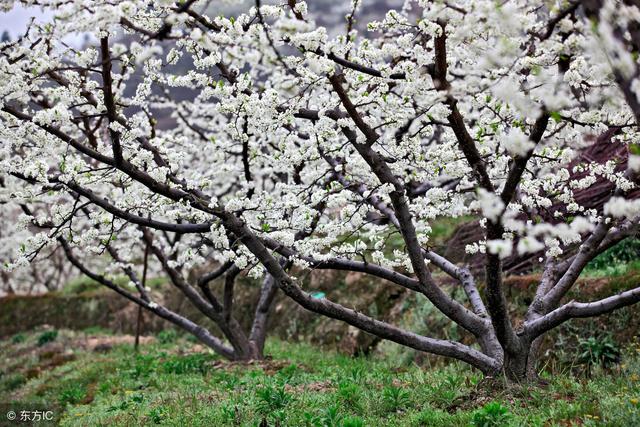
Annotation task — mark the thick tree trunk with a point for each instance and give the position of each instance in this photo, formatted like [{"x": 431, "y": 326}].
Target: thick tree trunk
[
  {"x": 515, "y": 367},
  {"x": 532, "y": 361},
  {"x": 259, "y": 327},
  {"x": 520, "y": 367}
]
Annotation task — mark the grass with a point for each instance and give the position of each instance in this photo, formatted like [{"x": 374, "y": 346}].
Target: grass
[
  {"x": 589, "y": 379},
  {"x": 85, "y": 284},
  {"x": 179, "y": 383},
  {"x": 616, "y": 261}
]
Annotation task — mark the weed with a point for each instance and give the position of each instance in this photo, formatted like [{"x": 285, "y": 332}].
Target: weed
[
  {"x": 12, "y": 381},
  {"x": 191, "y": 364},
  {"x": 429, "y": 417},
  {"x": 287, "y": 374},
  {"x": 329, "y": 417},
  {"x": 357, "y": 373},
  {"x": 133, "y": 400},
  {"x": 228, "y": 414},
  {"x": 156, "y": 415},
  {"x": 598, "y": 351},
  {"x": 349, "y": 394},
  {"x": 272, "y": 399},
  {"x": 72, "y": 394},
  {"x": 143, "y": 365},
  {"x": 156, "y": 386},
  {"x": 352, "y": 422},
  {"x": 167, "y": 336},
  {"x": 493, "y": 414},
  {"x": 395, "y": 398},
  {"x": 611, "y": 260}
]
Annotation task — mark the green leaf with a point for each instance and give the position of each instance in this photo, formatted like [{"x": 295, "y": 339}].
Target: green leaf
[{"x": 556, "y": 116}]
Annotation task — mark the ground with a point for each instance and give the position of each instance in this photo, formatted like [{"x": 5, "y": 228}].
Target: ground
[{"x": 94, "y": 379}]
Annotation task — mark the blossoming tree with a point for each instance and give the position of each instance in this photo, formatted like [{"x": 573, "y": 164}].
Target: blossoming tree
[{"x": 264, "y": 144}]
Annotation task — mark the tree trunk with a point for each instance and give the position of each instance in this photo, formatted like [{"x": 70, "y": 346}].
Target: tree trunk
[
  {"x": 532, "y": 361},
  {"x": 521, "y": 366},
  {"x": 515, "y": 367},
  {"x": 259, "y": 328}
]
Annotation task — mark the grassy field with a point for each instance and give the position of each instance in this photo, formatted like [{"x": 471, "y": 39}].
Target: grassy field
[{"x": 94, "y": 379}]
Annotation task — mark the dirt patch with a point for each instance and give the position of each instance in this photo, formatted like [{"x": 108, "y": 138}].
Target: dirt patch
[
  {"x": 492, "y": 389},
  {"x": 63, "y": 351},
  {"x": 107, "y": 343},
  {"x": 318, "y": 386},
  {"x": 270, "y": 367},
  {"x": 523, "y": 282}
]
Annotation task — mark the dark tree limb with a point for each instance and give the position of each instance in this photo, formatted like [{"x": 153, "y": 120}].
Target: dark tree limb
[
  {"x": 109, "y": 100},
  {"x": 198, "y": 331}
]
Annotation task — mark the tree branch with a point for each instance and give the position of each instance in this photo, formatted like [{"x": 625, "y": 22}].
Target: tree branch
[
  {"x": 323, "y": 306},
  {"x": 575, "y": 309},
  {"x": 109, "y": 100},
  {"x": 198, "y": 331}
]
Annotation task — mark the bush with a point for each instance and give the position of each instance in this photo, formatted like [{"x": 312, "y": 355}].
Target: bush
[
  {"x": 18, "y": 338},
  {"x": 46, "y": 337},
  {"x": 598, "y": 351}
]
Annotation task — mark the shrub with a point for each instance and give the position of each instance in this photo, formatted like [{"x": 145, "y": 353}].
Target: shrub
[
  {"x": 18, "y": 338},
  {"x": 46, "y": 337},
  {"x": 598, "y": 351}
]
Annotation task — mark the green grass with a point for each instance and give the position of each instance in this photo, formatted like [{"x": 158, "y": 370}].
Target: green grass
[
  {"x": 167, "y": 384},
  {"x": 84, "y": 284},
  {"x": 616, "y": 261}
]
